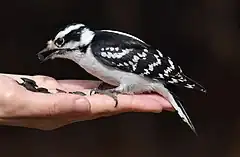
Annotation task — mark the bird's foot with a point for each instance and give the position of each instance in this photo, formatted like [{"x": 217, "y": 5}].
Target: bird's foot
[
  {"x": 109, "y": 92},
  {"x": 104, "y": 86}
]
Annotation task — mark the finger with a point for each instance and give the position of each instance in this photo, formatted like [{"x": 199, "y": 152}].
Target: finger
[
  {"x": 138, "y": 104},
  {"x": 102, "y": 104},
  {"x": 78, "y": 84},
  {"x": 30, "y": 104}
]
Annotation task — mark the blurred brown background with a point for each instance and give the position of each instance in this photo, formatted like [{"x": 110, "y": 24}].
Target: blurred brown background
[{"x": 203, "y": 36}]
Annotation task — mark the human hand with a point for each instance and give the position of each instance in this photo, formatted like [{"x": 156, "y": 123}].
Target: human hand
[{"x": 21, "y": 107}]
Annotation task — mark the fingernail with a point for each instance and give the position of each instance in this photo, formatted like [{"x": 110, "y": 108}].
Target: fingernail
[{"x": 82, "y": 105}]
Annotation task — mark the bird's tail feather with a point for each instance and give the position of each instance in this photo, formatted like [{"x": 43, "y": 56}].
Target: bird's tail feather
[
  {"x": 177, "y": 105},
  {"x": 191, "y": 84}
]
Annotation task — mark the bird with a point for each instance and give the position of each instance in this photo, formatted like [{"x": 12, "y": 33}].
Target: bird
[{"x": 122, "y": 60}]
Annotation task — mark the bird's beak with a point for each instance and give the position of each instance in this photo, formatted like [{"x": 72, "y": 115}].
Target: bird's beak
[{"x": 46, "y": 54}]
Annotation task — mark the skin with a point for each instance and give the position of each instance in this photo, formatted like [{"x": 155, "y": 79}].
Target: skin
[{"x": 21, "y": 107}]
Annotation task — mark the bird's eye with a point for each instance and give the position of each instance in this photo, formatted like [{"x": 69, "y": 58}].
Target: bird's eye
[{"x": 59, "y": 42}]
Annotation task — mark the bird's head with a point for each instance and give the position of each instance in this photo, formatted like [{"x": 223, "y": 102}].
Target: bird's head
[{"x": 68, "y": 43}]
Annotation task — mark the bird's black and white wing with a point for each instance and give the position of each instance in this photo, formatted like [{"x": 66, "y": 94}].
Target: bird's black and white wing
[{"x": 130, "y": 54}]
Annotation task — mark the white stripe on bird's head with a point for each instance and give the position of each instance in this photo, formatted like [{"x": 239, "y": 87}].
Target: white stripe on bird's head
[
  {"x": 68, "y": 29},
  {"x": 73, "y": 36}
]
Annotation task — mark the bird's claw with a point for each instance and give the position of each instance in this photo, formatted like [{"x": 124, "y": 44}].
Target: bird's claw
[
  {"x": 101, "y": 86},
  {"x": 93, "y": 91},
  {"x": 110, "y": 93}
]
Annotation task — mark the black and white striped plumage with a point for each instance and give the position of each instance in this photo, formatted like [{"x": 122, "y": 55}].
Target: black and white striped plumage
[{"x": 121, "y": 60}]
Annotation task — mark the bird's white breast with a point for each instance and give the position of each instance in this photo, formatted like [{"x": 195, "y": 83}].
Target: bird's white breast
[{"x": 107, "y": 74}]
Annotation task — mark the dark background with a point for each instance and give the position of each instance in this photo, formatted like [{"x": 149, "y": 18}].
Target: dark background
[{"x": 202, "y": 36}]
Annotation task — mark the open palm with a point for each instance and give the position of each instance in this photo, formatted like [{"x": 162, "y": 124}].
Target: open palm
[{"x": 21, "y": 107}]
